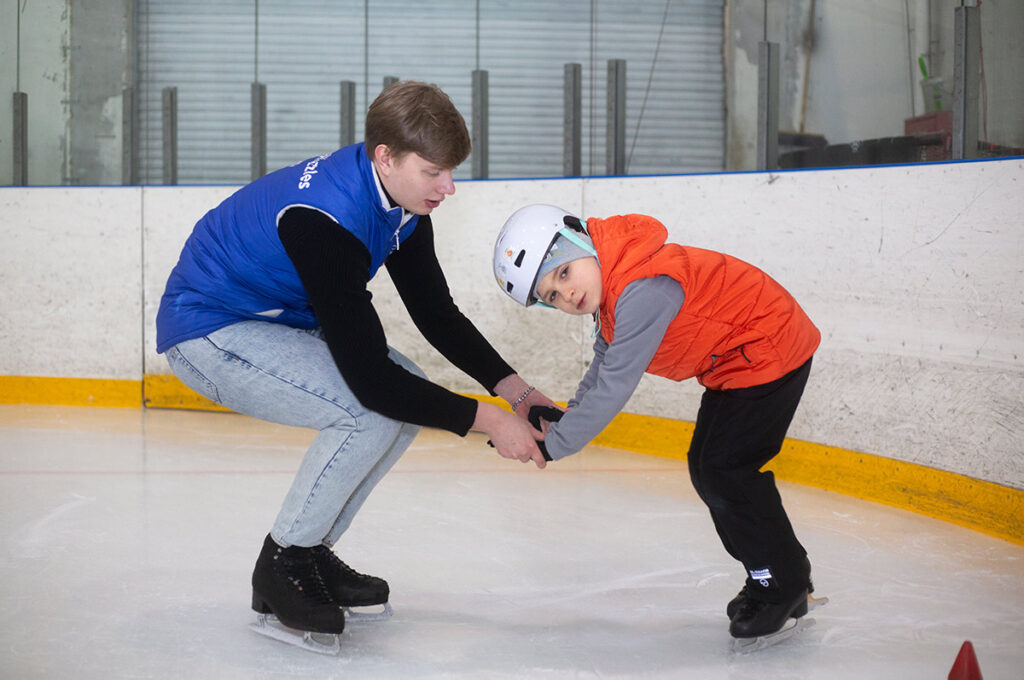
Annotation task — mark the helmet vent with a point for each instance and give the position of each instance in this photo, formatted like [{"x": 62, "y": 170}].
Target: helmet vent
[
  {"x": 508, "y": 286},
  {"x": 573, "y": 223},
  {"x": 519, "y": 258}
]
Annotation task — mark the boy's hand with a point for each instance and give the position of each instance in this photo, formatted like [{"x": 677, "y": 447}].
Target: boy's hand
[{"x": 541, "y": 418}]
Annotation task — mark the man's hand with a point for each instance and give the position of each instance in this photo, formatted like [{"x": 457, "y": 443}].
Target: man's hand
[{"x": 513, "y": 437}]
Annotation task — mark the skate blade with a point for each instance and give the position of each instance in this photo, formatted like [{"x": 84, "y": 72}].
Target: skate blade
[
  {"x": 815, "y": 602},
  {"x": 363, "y": 616},
  {"x": 788, "y": 630},
  {"x": 321, "y": 643}
]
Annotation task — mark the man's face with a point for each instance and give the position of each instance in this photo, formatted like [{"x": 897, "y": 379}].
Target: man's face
[
  {"x": 412, "y": 181},
  {"x": 573, "y": 287}
]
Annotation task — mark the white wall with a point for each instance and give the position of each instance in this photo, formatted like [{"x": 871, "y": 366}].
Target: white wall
[
  {"x": 71, "y": 282},
  {"x": 912, "y": 273},
  {"x": 169, "y": 213}
]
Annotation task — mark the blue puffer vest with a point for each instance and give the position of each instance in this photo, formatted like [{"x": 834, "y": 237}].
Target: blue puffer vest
[{"x": 233, "y": 267}]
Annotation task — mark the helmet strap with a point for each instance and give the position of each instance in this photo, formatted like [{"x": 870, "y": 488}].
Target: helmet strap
[{"x": 568, "y": 234}]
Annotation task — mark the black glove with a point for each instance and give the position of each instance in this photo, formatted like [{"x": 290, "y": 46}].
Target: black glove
[{"x": 548, "y": 413}]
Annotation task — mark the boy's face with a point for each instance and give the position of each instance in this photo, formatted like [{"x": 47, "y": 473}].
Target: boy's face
[
  {"x": 412, "y": 181},
  {"x": 573, "y": 287}
]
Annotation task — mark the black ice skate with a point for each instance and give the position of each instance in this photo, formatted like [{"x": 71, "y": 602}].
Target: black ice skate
[
  {"x": 351, "y": 589},
  {"x": 292, "y": 600},
  {"x": 734, "y": 603},
  {"x": 758, "y": 624}
]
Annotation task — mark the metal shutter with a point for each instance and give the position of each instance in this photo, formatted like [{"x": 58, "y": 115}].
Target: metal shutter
[{"x": 305, "y": 47}]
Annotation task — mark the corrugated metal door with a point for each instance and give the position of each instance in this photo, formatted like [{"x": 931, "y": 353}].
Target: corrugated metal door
[{"x": 212, "y": 52}]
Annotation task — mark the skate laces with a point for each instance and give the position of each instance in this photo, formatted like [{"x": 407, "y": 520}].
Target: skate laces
[
  {"x": 328, "y": 559},
  {"x": 302, "y": 572},
  {"x": 750, "y": 605}
]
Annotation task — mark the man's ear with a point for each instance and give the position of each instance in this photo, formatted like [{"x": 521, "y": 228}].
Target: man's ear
[{"x": 382, "y": 155}]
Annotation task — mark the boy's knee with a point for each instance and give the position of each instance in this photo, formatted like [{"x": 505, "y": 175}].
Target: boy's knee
[{"x": 718, "y": 488}]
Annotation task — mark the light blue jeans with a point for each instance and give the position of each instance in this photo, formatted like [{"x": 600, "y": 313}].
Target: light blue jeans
[{"x": 287, "y": 375}]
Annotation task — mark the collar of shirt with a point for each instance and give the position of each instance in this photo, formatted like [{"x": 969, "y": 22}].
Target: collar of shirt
[{"x": 385, "y": 199}]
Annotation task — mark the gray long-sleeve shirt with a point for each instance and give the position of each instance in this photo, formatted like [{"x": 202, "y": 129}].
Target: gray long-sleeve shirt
[{"x": 642, "y": 315}]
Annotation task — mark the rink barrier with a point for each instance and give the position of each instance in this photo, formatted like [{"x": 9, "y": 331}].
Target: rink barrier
[
  {"x": 979, "y": 505},
  {"x": 166, "y": 391},
  {"x": 16, "y": 389}
]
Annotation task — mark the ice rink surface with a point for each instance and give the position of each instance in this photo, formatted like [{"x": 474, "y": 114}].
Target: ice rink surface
[{"x": 128, "y": 536}]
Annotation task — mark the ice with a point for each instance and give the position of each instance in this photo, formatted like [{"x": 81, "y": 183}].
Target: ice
[{"x": 128, "y": 537}]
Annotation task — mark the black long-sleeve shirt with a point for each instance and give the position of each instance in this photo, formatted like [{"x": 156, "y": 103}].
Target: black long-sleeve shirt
[{"x": 334, "y": 268}]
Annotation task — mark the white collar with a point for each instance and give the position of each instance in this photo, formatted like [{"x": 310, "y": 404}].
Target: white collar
[{"x": 385, "y": 203}]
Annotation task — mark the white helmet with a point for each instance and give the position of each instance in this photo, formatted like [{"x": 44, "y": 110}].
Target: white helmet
[{"x": 523, "y": 242}]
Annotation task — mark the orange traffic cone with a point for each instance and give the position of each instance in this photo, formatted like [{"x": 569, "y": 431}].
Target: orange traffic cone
[{"x": 966, "y": 665}]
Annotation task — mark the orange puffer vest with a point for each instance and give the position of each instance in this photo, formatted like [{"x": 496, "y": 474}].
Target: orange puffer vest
[{"x": 737, "y": 327}]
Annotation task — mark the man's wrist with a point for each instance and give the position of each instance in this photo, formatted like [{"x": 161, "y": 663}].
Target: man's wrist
[
  {"x": 522, "y": 397},
  {"x": 510, "y": 387},
  {"x": 484, "y": 419}
]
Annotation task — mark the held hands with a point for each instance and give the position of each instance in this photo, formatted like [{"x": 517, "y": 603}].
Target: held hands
[
  {"x": 513, "y": 437},
  {"x": 522, "y": 441},
  {"x": 540, "y": 412},
  {"x": 541, "y": 418}
]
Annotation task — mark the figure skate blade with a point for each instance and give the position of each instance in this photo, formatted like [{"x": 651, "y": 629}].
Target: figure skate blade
[
  {"x": 361, "y": 615},
  {"x": 321, "y": 643},
  {"x": 788, "y": 630}
]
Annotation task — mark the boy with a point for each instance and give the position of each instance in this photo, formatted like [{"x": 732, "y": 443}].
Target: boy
[{"x": 682, "y": 312}]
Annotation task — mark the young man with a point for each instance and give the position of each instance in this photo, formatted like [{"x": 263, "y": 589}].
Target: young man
[
  {"x": 267, "y": 313},
  {"x": 682, "y": 312}
]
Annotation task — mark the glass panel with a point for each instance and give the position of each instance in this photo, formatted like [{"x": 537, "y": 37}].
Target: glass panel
[
  {"x": 301, "y": 50},
  {"x": 873, "y": 82},
  {"x": 866, "y": 82}
]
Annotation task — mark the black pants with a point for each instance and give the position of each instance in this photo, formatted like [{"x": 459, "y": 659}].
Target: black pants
[{"x": 737, "y": 432}]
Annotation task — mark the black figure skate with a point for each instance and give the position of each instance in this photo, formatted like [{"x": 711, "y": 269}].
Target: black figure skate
[
  {"x": 351, "y": 589},
  {"x": 294, "y": 605},
  {"x": 757, "y": 624},
  {"x": 812, "y": 602}
]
